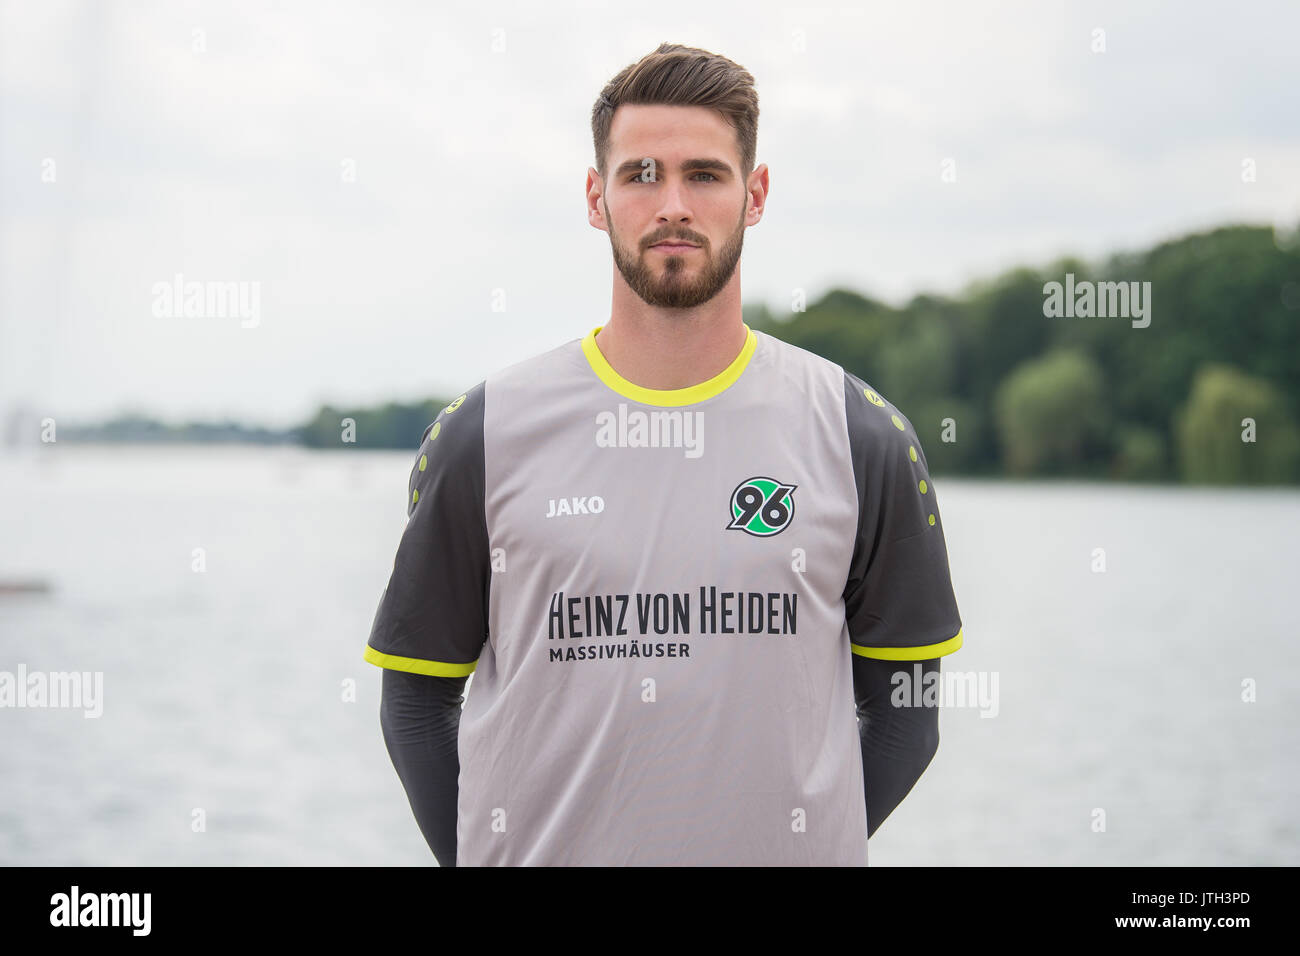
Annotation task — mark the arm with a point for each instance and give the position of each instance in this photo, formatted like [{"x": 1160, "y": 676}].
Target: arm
[
  {"x": 420, "y": 718},
  {"x": 898, "y": 600},
  {"x": 432, "y": 621},
  {"x": 897, "y": 742}
]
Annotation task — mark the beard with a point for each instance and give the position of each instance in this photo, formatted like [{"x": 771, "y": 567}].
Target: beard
[{"x": 680, "y": 281}]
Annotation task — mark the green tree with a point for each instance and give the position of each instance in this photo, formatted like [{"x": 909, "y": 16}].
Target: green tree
[
  {"x": 1212, "y": 430},
  {"x": 1051, "y": 413},
  {"x": 1140, "y": 454},
  {"x": 949, "y": 448},
  {"x": 394, "y": 425}
]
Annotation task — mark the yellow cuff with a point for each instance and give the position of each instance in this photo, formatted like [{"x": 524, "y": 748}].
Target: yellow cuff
[
  {"x": 924, "y": 653},
  {"x": 415, "y": 665}
]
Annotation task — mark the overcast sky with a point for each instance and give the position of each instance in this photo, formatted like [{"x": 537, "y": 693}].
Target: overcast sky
[{"x": 379, "y": 169}]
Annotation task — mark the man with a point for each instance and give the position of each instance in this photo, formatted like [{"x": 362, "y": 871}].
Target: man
[{"x": 673, "y": 553}]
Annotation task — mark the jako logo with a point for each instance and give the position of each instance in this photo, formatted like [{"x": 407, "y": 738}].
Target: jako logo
[
  {"x": 762, "y": 507},
  {"x": 593, "y": 505},
  {"x": 635, "y": 429}
]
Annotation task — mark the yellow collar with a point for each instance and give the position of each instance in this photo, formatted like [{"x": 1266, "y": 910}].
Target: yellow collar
[{"x": 667, "y": 396}]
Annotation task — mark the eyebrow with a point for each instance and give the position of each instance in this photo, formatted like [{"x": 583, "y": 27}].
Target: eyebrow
[{"x": 688, "y": 166}]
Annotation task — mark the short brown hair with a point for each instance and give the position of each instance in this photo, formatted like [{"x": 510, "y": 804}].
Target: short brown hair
[{"x": 682, "y": 76}]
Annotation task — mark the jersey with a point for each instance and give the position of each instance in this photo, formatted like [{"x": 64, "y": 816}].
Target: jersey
[{"x": 658, "y": 593}]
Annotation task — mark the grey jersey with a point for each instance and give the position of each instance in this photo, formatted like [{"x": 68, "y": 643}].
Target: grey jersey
[{"x": 658, "y": 593}]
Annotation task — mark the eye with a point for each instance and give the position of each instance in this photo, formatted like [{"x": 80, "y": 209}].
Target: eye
[{"x": 636, "y": 177}]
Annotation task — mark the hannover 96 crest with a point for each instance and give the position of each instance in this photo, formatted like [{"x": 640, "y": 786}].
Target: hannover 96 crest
[{"x": 762, "y": 506}]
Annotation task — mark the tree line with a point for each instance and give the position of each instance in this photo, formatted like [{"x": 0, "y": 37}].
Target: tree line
[
  {"x": 1208, "y": 391},
  {"x": 997, "y": 381}
]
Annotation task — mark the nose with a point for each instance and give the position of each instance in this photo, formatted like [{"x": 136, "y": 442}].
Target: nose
[{"x": 674, "y": 208}]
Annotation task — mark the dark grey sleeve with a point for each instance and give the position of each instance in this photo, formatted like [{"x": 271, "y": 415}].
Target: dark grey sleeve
[
  {"x": 898, "y": 598},
  {"x": 433, "y": 616},
  {"x": 898, "y": 743},
  {"x": 420, "y": 717}
]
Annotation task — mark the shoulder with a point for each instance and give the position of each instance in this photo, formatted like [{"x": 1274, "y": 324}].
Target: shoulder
[
  {"x": 872, "y": 420},
  {"x": 882, "y": 440},
  {"x": 449, "y": 460},
  {"x": 871, "y": 416},
  {"x": 459, "y": 418},
  {"x": 526, "y": 376},
  {"x": 795, "y": 373},
  {"x": 888, "y": 462},
  {"x": 459, "y": 425}
]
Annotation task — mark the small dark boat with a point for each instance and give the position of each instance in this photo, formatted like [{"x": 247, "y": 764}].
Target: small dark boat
[{"x": 8, "y": 586}]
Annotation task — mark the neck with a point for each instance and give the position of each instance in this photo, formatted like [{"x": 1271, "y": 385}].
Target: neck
[{"x": 673, "y": 348}]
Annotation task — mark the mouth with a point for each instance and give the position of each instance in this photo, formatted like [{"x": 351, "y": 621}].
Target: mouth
[{"x": 674, "y": 247}]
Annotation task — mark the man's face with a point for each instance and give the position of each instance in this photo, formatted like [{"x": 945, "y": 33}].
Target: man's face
[{"x": 648, "y": 197}]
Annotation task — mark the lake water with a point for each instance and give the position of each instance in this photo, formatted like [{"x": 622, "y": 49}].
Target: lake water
[{"x": 1119, "y": 691}]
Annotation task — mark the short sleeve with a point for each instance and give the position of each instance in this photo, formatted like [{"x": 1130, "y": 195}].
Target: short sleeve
[
  {"x": 433, "y": 615},
  {"x": 898, "y": 599}
]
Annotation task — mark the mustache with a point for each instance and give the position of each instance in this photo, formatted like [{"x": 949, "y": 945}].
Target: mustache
[{"x": 690, "y": 239}]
